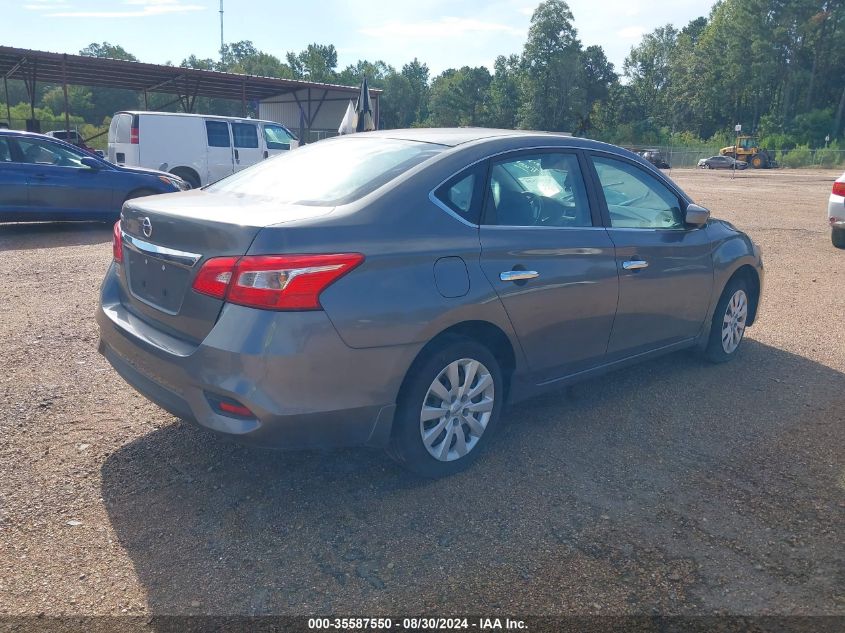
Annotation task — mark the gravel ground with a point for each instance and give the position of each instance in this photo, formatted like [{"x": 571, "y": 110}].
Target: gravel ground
[{"x": 678, "y": 487}]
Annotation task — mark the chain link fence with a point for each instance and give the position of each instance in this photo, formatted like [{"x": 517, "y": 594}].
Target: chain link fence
[{"x": 681, "y": 157}]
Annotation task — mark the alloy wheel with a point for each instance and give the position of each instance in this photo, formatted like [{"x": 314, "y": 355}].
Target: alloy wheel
[
  {"x": 733, "y": 323},
  {"x": 457, "y": 409}
]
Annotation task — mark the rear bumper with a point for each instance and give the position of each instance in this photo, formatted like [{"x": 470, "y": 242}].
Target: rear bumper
[{"x": 305, "y": 386}]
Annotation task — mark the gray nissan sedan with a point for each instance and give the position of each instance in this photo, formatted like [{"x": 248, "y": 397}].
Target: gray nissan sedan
[{"x": 395, "y": 289}]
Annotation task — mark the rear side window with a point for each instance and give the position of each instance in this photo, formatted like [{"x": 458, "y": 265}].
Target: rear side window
[
  {"x": 246, "y": 135},
  {"x": 123, "y": 128},
  {"x": 5, "y": 151},
  {"x": 218, "y": 133},
  {"x": 462, "y": 193}
]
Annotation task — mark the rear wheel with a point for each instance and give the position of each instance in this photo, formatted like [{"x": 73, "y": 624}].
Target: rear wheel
[
  {"x": 758, "y": 162},
  {"x": 448, "y": 409},
  {"x": 729, "y": 321},
  {"x": 837, "y": 236},
  {"x": 188, "y": 175}
]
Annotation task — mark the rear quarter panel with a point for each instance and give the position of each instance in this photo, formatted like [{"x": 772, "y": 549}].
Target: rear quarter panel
[{"x": 392, "y": 298}]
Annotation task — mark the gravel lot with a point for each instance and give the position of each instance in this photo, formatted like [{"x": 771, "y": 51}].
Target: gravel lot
[{"x": 678, "y": 487}]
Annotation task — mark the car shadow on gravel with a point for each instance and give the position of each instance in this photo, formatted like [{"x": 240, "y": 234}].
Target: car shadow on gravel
[
  {"x": 33, "y": 235},
  {"x": 677, "y": 486}
]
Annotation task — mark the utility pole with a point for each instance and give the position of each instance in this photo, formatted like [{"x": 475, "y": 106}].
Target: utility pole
[{"x": 221, "y": 31}]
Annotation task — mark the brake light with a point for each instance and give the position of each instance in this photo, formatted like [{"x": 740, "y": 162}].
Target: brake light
[
  {"x": 839, "y": 188},
  {"x": 274, "y": 282},
  {"x": 117, "y": 243},
  {"x": 133, "y": 136},
  {"x": 214, "y": 276}
]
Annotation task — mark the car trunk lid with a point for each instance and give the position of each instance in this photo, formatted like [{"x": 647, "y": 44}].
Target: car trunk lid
[{"x": 167, "y": 239}]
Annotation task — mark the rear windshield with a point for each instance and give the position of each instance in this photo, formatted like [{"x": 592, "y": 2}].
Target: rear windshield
[{"x": 329, "y": 173}]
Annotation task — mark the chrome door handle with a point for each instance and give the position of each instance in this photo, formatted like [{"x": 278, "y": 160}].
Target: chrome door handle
[
  {"x": 634, "y": 264},
  {"x": 518, "y": 275}
]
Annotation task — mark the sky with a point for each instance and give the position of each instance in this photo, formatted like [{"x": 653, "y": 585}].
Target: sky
[{"x": 441, "y": 33}]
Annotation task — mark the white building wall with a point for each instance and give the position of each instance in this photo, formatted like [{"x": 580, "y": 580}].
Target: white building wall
[{"x": 326, "y": 116}]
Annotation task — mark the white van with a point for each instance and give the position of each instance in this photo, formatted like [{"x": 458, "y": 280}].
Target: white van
[{"x": 198, "y": 148}]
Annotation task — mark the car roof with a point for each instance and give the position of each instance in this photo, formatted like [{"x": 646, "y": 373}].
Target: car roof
[
  {"x": 453, "y": 137},
  {"x": 192, "y": 115},
  {"x": 6, "y": 132},
  {"x": 51, "y": 139}
]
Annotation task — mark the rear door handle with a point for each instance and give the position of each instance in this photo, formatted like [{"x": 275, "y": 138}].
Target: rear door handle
[
  {"x": 237, "y": 155},
  {"x": 635, "y": 264},
  {"x": 518, "y": 275},
  {"x": 266, "y": 154}
]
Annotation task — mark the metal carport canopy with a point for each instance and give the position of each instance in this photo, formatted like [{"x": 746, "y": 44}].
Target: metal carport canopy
[{"x": 64, "y": 69}]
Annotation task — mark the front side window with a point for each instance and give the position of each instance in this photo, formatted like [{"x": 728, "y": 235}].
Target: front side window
[
  {"x": 218, "y": 133},
  {"x": 636, "y": 199},
  {"x": 330, "y": 172},
  {"x": 277, "y": 137},
  {"x": 544, "y": 189},
  {"x": 245, "y": 134},
  {"x": 38, "y": 152}
]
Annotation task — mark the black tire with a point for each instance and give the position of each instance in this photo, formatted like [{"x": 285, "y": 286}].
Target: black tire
[
  {"x": 758, "y": 162},
  {"x": 837, "y": 236},
  {"x": 716, "y": 352},
  {"x": 188, "y": 175},
  {"x": 406, "y": 444}
]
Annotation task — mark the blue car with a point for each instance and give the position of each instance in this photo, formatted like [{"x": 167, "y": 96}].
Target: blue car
[{"x": 42, "y": 178}]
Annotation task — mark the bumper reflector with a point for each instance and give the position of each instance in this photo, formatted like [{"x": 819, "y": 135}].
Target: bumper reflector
[{"x": 229, "y": 407}]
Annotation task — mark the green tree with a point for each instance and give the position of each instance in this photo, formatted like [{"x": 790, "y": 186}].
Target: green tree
[
  {"x": 598, "y": 77},
  {"x": 504, "y": 93},
  {"x": 106, "y": 50},
  {"x": 417, "y": 75},
  {"x": 458, "y": 97},
  {"x": 318, "y": 62},
  {"x": 107, "y": 101},
  {"x": 552, "y": 95},
  {"x": 80, "y": 101}
]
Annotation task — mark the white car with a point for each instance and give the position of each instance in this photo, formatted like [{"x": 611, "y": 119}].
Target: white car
[
  {"x": 198, "y": 148},
  {"x": 836, "y": 212}
]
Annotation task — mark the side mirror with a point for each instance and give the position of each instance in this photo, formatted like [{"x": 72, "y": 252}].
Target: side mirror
[
  {"x": 91, "y": 163},
  {"x": 696, "y": 215}
]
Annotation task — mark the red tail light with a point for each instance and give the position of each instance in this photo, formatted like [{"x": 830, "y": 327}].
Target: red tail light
[
  {"x": 274, "y": 282},
  {"x": 133, "y": 136},
  {"x": 839, "y": 188},
  {"x": 214, "y": 276},
  {"x": 117, "y": 243}
]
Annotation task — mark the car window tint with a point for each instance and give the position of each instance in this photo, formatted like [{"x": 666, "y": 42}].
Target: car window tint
[
  {"x": 246, "y": 135},
  {"x": 5, "y": 151},
  {"x": 636, "y": 199},
  {"x": 277, "y": 137},
  {"x": 45, "y": 153},
  {"x": 218, "y": 133},
  {"x": 461, "y": 193},
  {"x": 537, "y": 190}
]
